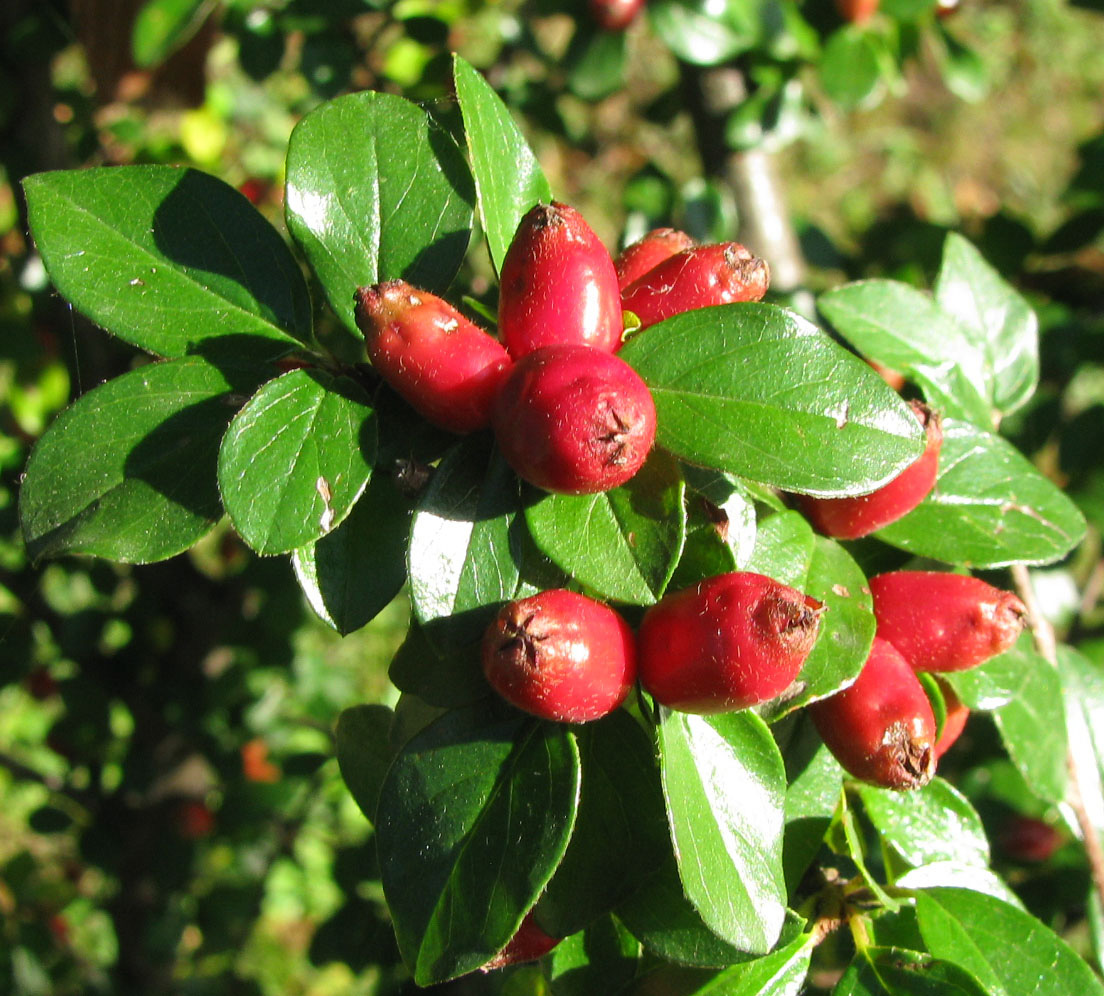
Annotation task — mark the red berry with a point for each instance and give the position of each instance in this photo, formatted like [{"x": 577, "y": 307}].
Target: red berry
[
  {"x": 561, "y": 656},
  {"x": 558, "y": 285},
  {"x": 731, "y": 641},
  {"x": 860, "y": 515},
  {"x": 194, "y": 820},
  {"x": 574, "y": 419},
  {"x": 256, "y": 767},
  {"x": 945, "y": 622},
  {"x": 446, "y": 367},
  {"x": 1029, "y": 840},
  {"x": 615, "y": 15},
  {"x": 954, "y": 722},
  {"x": 648, "y": 252},
  {"x": 528, "y": 944},
  {"x": 881, "y": 728},
  {"x": 857, "y": 11},
  {"x": 696, "y": 278}
]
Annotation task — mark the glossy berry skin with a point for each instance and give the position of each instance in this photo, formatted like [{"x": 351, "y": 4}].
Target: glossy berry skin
[
  {"x": 560, "y": 656},
  {"x": 444, "y": 366},
  {"x": 696, "y": 278},
  {"x": 861, "y": 515},
  {"x": 881, "y": 728},
  {"x": 945, "y": 622},
  {"x": 953, "y": 723},
  {"x": 574, "y": 419},
  {"x": 729, "y": 642},
  {"x": 648, "y": 252},
  {"x": 558, "y": 285},
  {"x": 528, "y": 944},
  {"x": 615, "y": 15}
]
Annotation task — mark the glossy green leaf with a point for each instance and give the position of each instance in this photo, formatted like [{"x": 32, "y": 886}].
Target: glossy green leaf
[
  {"x": 906, "y": 330},
  {"x": 781, "y": 973},
  {"x": 853, "y": 846},
  {"x": 620, "y": 829},
  {"x": 464, "y": 543},
  {"x": 990, "y": 507},
  {"x": 604, "y": 958},
  {"x": 507, "y": 175},
  {"x": 880, "y": 971},
  {"x": 1083, "y": 686},
  {"x": 758, "y": 391},
  {"x": 937, "y": 823},
  {"x": 446, "y": 677},
  {"x": 954, "y": 874},
  {"x": 815, "y": 782},
  {"x": 351, "y": 574},
  {"x": 787, "y": 550},
  {"x": 377, "y": 191},
  {"x": 362, "y": 745},
  {"x": 169, "y": 259},
  {"x": 474, "y": 816},
  {"x": 296, "y": 458},
  {"x": 702, "y": 32},
  {"x": 725, "y": 785},
  {"x": 978, "y": 933},
  {"x": 849, "y": 68},
  {"x": 998, "y": 680},
  {"x": 623, "y": 543},
  {"x": 128, "y": 472},
  {"x": 995, "y": 317},
  {"x": 162, "y": 26}
]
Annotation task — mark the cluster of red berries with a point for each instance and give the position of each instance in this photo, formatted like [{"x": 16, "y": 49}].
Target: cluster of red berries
[
  {"x": 739, "y": 639},
  {"x": 568, "y": 414}
]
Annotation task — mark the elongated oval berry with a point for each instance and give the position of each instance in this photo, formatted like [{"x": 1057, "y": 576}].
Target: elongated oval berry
[
  {"x": 696, "y": 278},
  {"x": 731, "y": 641},
  {"x": 558, "y": 285},
  {"x": 528, "y": 944},
  {"x": 615, "y": 15},
  {"x": 945, "y": 622},
  {"x": 561, "y": 656},
  {"x": 954, "y": 722},
  {"x": 881, "y": 728},
  {"x": 574, "y": 419},
  {"x": 648, "y": 252},
  {"x": 861, "y": 515},
  {"x": 444, "y": 366}
]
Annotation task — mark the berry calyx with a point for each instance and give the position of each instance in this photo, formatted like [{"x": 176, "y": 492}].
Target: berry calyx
[
  {"x": 561, "y": 656},
  {"x": 648, "y": 252},
  {"x": 861, "y": 515},
  {"x": 881, "y": 728},
  {"x": 945, "y": 622},
  {"x": 729, "y": 642},
  {"x": 558, "y": 285},
  {"x": 574, "y": 419},
  {"x": 696, "y": 278},
  {"x": 615, "y": 15},
  {"x": 528, "y": 944},
  {"x": 443, "y": 365}
]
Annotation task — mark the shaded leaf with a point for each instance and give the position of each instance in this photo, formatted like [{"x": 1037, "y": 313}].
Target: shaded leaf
[{"x": 362, "y": 745}]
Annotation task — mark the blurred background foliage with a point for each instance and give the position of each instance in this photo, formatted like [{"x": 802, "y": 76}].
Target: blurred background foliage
[{"x": 171, "y": 816}]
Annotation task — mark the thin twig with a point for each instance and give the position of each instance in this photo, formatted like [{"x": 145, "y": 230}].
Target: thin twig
[{"x": 1047, "y": 645}]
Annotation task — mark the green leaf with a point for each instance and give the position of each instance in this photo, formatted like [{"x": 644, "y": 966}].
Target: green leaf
[
  {"x": 465, "y": 544},
  {"x": 978, "y": 933},
  {"x": 448, "y": 677},
  {"x": 881, "y": 971},
  {"x": 163, "y": 26},
  {"x": 1083, "y": 686},
  {"x": 787, "y": 550},
  {"x": 620, "y": 829},
  {"x": 296, "y": 458},
  {"x": 850, "y": 70},
  {"x": 704, "y": 32},
  {"x": 508, "y": 177},
  {"x": 601, "y": 959},
  {"x": 906, "y": 330},
  {"x": 853, "y": 847},
  {"x": 995, "y": 317},
  {"x": 756, "y": 390},
  {"x": 781, "y": 973},
  {"x": 990, "y": 507},
  {"x": 474, "y": 816},
  {"x": 998, "y": 680},
  {"x": 725, "y": 784},
  {"x": 169, "y": 259},
  {"x": 959, "y": 876},
  {"x": 935, "y": 824},
  {"x": 623, "y": 543},
  {"x": 815, "y": 783},
  {"x": 596, "y": 62},
  {"x": 128, "y": 472},
  {"x": 362, "y": 745},
  {"x": 377, "y": 191},
  {"x": 351, "y": 574}
]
